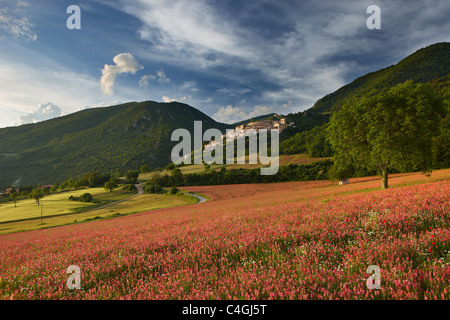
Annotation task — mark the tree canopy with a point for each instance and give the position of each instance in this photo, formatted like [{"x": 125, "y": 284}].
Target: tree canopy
[
  {"x": 37, "y": 195},
  {"x": 387, "y": 129},
  {"x": 110, "y": 185},
  {"x": 132, "y": 176},
  {"x": 145, "y": 168}
]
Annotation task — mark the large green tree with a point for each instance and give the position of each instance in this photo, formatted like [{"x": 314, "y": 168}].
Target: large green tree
[{"x": 388, "y": 129}]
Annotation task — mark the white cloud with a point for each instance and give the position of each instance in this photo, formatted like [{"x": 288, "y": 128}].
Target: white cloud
[
  {"x": 234, "y": 91},
  {"x": 253, "y": 54},
  {"x": 190, "y": 86},
  {"x": 42, "y": 112},
  {"x": 318, "y": 47},
  {"x": 167, "y": 99},
  {"x": 124, "y": 63},
  {"x": 346, "y": 25},
  {"x": 15, "y": 22},
  {"x": 143, "y": 82},
  {"x": 199, "y": 36},
  {"x": 184, "y": 99},
  {"x": 162, "y": 76},
  {"x": 23, "y": 85},
  {"x": 194, "y": 28},
  {"x": 230, "y": 114}
]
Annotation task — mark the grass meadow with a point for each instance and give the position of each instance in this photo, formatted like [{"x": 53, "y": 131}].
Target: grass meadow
[
  {"x": 58, "y": 210},
  {"x": 296, "y": 240},
  {"x": 57, "y": 204},
  {"x": 301, "y": 158}
]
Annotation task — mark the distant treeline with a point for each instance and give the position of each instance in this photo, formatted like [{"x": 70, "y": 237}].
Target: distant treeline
[{"x": 292, "y": 172}]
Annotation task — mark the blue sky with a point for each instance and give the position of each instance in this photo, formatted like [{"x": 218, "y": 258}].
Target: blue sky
[{"x": 230, "y": 59}]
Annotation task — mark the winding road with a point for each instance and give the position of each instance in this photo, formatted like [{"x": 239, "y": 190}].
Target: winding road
[
  {"x": 200, "y": 198},
  {"x": 140, "y": 190}
]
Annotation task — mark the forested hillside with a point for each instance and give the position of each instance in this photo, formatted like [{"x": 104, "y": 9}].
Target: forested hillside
[
  {"x": 125, "y": 136},
  {"x": 428, "y": 65}
]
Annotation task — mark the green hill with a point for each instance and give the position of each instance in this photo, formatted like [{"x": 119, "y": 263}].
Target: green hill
[{"x": 125, "y": 136}]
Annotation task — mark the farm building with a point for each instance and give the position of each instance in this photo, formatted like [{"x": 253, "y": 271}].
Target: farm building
[
  {"x": 11, "y": 190},
  {"x": 265, "y": 124}
]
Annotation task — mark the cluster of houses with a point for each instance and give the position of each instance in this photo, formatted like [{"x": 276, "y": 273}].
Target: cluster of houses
[
  {"x": 252, "y": 127},
  {"x": 10, "y": 190},
  {"x": 279, "y": 125}
]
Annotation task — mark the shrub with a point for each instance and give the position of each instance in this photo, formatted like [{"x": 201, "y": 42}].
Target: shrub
[
  {"x": 170, "y": 166},
  {"x": 86, "y": 197},
  {"x": 151, "y": 188},
  {"x": 129, "y": 187}
]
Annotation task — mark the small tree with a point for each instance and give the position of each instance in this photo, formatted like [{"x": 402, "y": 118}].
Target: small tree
[
  {"x": 177, "y": 176},
  {"x": 13, "y": 197},
  {"x": 110, "y": 185},
  {"x": 155, "y": 179},
  {"x": 37, "y": 195},
  {"x": 132, "y": 176},
  {"x": 170, "y": 166},
  {"x": 45, "y": 190}
]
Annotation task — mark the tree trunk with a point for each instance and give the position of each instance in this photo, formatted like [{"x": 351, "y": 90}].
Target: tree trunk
[{"x": 384, "y": 184}]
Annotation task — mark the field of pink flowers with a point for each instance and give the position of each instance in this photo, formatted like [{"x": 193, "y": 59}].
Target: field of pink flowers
[{"x": 310, "y": 243}]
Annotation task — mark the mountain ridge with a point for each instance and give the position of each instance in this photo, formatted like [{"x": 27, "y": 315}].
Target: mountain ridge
[
  {"x": 425, "y": 65},
  {"x": 123, "y": 137},
  {"x": 131, "y": 134},
  {"x": 436, "y": 66}
]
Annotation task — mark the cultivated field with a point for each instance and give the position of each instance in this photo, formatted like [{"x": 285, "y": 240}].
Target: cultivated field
[
  {"x": 284, "y": 160},
  {"x": 56, "y": 204},
  {"x": 299, "y": 240},
  {"x": 58, "y": 210}
]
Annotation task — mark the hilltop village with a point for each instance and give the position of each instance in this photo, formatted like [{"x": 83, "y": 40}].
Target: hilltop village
[{"x": 252, "y": 127}]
